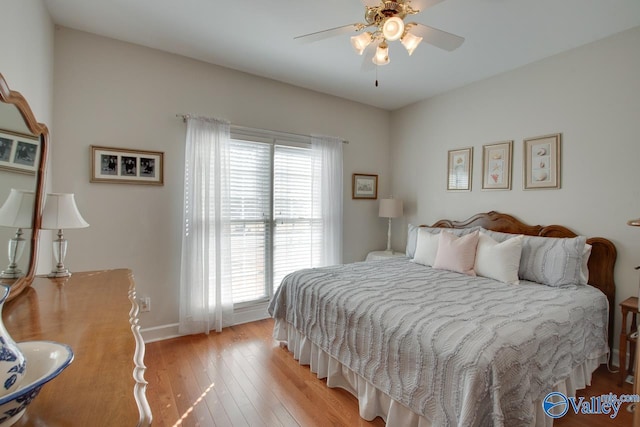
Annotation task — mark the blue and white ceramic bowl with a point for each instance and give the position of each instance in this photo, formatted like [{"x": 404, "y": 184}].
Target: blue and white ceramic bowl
[
  {"x": 45, "y": 361},
  {"x": 12, "y": 361}
]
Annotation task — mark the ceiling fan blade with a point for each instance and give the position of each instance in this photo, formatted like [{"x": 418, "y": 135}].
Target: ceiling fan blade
[
  {"x": 325, "y": 34},
  {"x": 367, "y": 58},
  {"x": 424, "y": 4},
  {"x": 436, "y": 37}
]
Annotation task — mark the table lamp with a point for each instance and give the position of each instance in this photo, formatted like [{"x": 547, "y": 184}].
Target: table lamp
[
  {"x": 390, "y": 208},
  {"x": 60, "y": 212},
  {"x": 16, "y": 212}
]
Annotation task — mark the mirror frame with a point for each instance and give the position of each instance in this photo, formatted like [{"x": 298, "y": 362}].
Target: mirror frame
[{"x": 9, "y": 96}]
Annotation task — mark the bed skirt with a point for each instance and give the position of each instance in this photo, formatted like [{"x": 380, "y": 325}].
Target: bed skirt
[{"x": 374, "y": 403}]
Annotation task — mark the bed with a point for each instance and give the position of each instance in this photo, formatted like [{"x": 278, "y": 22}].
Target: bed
[{"x": 423, "y": 346}]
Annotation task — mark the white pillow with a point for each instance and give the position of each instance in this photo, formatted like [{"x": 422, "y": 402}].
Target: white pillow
[
  {"x": 426, "y": 247},
  {"x": 499, "y": 261},
  {"x": 584, "y": 270}
]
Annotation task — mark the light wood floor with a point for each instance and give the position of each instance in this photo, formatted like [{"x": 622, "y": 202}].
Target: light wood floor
[{"x": 241, "y": 377}]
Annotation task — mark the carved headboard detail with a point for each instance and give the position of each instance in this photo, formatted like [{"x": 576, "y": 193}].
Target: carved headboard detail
[{"x": 601, "y": 262}]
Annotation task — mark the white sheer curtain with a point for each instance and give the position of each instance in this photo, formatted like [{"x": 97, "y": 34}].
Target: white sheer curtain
[
  {"x": 205, "y": 280},
  {"x": 327, "y": 194}
]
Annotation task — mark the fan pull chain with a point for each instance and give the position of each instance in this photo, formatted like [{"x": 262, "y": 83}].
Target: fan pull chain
[{"x": 376, "y": 75}]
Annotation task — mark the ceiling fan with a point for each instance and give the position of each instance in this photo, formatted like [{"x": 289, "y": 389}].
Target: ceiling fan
[{"x": 385, "y": 22}]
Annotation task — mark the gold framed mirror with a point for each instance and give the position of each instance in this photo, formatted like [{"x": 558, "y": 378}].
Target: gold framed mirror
[{"x": 24, "y": 144}]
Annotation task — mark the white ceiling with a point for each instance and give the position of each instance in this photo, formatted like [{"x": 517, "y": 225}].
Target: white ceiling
[{"x": 256, "y": 36}]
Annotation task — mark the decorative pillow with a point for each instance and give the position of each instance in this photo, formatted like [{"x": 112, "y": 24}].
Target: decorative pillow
[
  {"x": 457, "y": 253},
  {"x": 499, "y": 261},
  {"x": 426, "y": 247},
  {"x": 551, "y": 261},
  {"x": 412, "y": 240},
  {"x": 584, "y": 271},
  {"x": 412, "y": 235}
]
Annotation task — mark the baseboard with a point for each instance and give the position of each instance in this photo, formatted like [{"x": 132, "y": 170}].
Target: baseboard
[
  {"x": 250, "y": 314},
  {"x": 165, "y": 332},
  {"x": 159, "y": 333}
]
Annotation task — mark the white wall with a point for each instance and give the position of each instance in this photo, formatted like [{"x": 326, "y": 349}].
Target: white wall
[
  {"x": 122, "y": 95},
  {"x": 27, "y": 53},
  {"x": 590, "y": 94},
  {"x": 26, "y": 62}
]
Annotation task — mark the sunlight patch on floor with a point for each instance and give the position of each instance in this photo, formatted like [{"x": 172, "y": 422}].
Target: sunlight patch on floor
[{"x": 190, "y": 410}]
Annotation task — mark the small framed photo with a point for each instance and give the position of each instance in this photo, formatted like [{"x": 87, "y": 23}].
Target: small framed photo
[
  {"x": 19, "y": 152},
  {"x": 542, "y": 162},
  {"x": 126, "y": 166},
  {"x": 364, "y": 186},
  {"x": 459, "y": 170},
  {"x": 496, "y": 165}
]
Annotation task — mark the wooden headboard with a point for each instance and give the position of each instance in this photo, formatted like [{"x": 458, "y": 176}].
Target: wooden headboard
[{"x": 601, "y": 262}]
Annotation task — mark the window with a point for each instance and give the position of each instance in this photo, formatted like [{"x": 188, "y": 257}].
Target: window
[{"x": 275, "y": 222}]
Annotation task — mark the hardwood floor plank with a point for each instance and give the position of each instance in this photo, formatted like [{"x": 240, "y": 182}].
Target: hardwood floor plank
[
  {"x": 185, "y": 386},
  {"x": 242, "y": 377},
  {"x": 166, "y": 412},
  {"x": 208, "y": 385}
]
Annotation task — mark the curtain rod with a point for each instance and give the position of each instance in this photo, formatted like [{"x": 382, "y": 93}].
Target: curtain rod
[{"x": 184, "y": 118}]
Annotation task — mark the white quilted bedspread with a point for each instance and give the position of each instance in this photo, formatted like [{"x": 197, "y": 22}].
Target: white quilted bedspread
[{"x": 458, "y": 350}]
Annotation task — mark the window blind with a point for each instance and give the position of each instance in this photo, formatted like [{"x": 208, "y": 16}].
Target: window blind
[
  {"x": 275, "y": 224},
  {"x": 297, "y": 227},
  {"x": 250, "y": 194}
]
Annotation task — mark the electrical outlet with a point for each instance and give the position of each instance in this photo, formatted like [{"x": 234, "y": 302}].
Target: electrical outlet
[{"x": 145, "y": 304}]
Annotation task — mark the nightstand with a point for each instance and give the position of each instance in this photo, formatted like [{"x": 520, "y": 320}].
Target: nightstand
[
  {"x": 630, "y": 305},
  {"x": 376, "y": 255}
]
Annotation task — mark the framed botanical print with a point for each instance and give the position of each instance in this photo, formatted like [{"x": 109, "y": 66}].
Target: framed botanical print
[
  {"x": 459, "y": 170},
  {"x": 496, "y": 165},
  {"x": 542, "y": 162},
  {"x": 364, "y": 186}
]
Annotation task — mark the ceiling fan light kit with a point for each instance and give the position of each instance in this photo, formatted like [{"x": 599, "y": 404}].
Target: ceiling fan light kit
[
  {"x": 410, "y": 42},
  {"x": 393, "y": 28},
  {"x": 382, "y": 54},
  {"x": 361, "y": 41},
  {"x": 385, "y": 22}
]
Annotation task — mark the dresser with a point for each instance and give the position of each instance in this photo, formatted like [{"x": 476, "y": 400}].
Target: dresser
[{"x": 96, "y": 314}]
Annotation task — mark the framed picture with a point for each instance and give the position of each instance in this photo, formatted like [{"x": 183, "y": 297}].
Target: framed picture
[
  {"x": 364, "y": 186},
  {"x": 126, "y": 166},
  {"x": 542, "y": 162},
  {"x": 19, "y": 152},
  {"x": 496, "y": 165},
  {"x": 459, "y": 170}
]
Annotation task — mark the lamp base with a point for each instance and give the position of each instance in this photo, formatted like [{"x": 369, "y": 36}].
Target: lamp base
[
  {"x": 59, "y": 272},
  {"x": 59, "y": 252},
  {"x": 11, "y": 273}
]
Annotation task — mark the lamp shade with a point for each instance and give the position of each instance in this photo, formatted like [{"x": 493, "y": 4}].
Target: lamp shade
[
  {"x": 410, "y": 42},
  {"x": 61, "y": 212},
  {"x": 361, "y": 41},
  {"x": 382, "y": 55},
  {"x": 17, "y": 210},
  {"x": 390, "y": 208},
  {"x": 393, "y": 28}
]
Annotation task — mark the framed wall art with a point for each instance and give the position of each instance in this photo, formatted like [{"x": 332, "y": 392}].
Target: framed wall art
[
  {"x": 459, "y": 169},
  {"x": 364, "y": 186},
  {"x": 496, "y": 165},
  {"x": 542, "y": 162},
  {"x": 126, "y": 166},
  {"x": 19, "y": 152}
]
